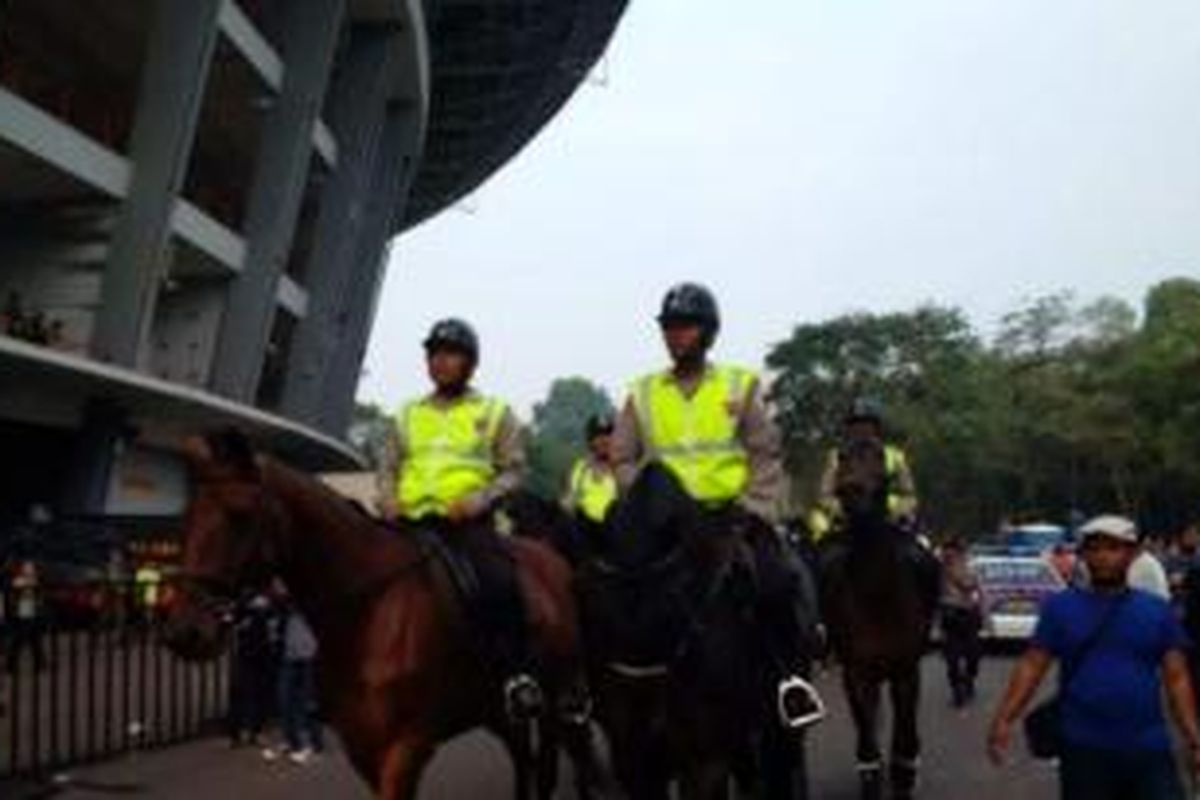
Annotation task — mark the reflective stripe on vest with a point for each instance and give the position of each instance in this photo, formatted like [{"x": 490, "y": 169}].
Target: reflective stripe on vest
[
  {"x": 448, "y": 453},
  {"x": 697, "y": 437},
  {"x": 894, "y": 461},
  {"x": 593, "y": 490}
]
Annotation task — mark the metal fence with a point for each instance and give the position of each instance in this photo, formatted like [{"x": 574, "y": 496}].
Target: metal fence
[{"x": 83, "y": 674}]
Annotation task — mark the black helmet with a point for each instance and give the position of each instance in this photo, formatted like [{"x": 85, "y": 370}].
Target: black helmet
[
  {"x": 453, "y": 334},
  {"x": 864, "y": 409},
  {"x": 598, "y": 425},
  {"x": 691, "y": 302}
]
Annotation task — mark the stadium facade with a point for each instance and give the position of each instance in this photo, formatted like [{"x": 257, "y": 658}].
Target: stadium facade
[{"x": 196, "y": 205}]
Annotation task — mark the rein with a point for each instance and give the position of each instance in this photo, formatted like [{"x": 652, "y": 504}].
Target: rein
[{"x": 217, "y": 594}]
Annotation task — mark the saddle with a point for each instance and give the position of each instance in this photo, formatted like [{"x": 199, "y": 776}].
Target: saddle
[{"x": 462, "y": 574}]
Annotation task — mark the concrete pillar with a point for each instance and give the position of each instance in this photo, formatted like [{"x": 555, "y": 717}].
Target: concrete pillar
[
  {"x": 183, "y": 38},
  {"x": 393, "y": 176},
  {"x": 84, "y": 488},
  {"x": 361, "y": 94},
  {"x": 310, "y": 37}
]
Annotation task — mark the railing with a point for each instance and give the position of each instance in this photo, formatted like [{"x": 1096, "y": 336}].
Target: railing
[{"x": 84, "y": 675}]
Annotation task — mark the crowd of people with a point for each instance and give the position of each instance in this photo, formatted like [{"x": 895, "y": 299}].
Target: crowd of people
[{"x": 33, "y": 326}]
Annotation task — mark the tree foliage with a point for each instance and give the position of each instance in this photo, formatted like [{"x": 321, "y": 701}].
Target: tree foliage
[
  {"x": 1066, "y": 407},
  {"x": 557, "y": 433}
]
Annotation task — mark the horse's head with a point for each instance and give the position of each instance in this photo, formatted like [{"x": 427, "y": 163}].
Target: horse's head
[
  {"x": 861, "y": 480},
  {"x": 651, "y": 520},
  {"x": 227, "y": 542}
]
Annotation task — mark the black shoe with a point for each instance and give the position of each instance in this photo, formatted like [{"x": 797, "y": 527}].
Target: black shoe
[
  {"x": 799, "y": 705},
  {"x": 523, "y": 697}
]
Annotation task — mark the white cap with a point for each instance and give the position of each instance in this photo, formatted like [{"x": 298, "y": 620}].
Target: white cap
[{"x": 1112, "y": 526}]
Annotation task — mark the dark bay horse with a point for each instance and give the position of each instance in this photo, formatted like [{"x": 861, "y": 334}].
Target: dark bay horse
[
  {"x": 397, "y": 669},
  {"x": 878, "y": 620},
  {"x": 674, "y": 654}
]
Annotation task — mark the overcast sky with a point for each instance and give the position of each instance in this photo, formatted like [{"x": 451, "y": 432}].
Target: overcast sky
[{"x": 805, "y": 158}]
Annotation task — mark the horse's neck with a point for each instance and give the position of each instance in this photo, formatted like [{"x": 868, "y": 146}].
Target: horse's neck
[
  {"x": 330, "y": 555},
  {"x": 874, "y": 557}
]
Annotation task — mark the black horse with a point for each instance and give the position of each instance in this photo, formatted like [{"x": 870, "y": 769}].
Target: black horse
[
  {"x": 677, "y": 659},
  {"x": 878, "y": 612}
]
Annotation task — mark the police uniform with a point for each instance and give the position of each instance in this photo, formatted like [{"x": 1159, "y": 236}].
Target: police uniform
[{"x": 591, "y": 490}]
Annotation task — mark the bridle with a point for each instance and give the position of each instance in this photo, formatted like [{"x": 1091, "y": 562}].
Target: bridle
[{"x": 217, "y": 593}]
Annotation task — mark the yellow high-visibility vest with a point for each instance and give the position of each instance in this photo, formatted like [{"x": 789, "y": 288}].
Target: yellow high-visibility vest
[
  {"x": 592, "y": 490},
  {"x": 819, "y": 524},
  {"x": 894, "y": 462},
  {"x": 899, "y": 502},
  {"x": 448, "y": 452},
  {"x": 697, "y": 437}
]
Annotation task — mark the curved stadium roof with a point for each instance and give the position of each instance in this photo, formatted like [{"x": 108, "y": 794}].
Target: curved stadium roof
[{"x": 500, "y": 70}]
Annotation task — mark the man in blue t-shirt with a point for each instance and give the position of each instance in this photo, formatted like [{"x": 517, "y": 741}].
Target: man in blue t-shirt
[{"x": 1115, "y": 740}]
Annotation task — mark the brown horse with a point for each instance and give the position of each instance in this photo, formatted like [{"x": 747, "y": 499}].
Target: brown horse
[
  {"x": 878, "y": 619},
  {"x": 398, "y": 673}
]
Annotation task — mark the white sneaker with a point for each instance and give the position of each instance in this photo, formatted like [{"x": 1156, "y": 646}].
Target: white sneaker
[
  {"x": 271, "y": 753},
  {"x": 301, "y": 757}
]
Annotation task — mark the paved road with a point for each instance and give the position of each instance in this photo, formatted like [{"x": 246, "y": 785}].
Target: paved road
[{"x": 954, "y": 766}]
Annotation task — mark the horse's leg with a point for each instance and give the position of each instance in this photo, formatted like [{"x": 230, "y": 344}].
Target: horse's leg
[
  {"x": 519, "y": 740},
  {"x": 579, "y": 741},
  {"x": 863, "y": 695},
  {"x": 545, "y": 756},
  {"x": 708, "y": 780},
  {"x": 400, "y": 772},
  {"x": 784, "y": 771},
  {"x": 906, "y": 742}
]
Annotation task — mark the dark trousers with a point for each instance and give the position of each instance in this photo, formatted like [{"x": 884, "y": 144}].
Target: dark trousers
[
  {"x": 1093, "y": 774},
  {"x": 298, "y": 705},
  {"x": 251, "y": 695},
  {"x": 961, "y": 650},
  {"x": 25, "y": 634}
]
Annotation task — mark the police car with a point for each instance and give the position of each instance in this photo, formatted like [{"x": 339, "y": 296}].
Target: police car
[{"x": 1012, "y": 588}]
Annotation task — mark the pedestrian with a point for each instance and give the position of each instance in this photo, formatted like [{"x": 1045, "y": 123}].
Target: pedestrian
[
  {"x": 1147, "y": 573},
  {"x": 961, "y": 618},
  {"x": 25, "y": 628},
  {"x": 252, "y": 677},
  {"x": 1119, "y": 649},
  {"x": 302, "y": 736},
  {"x": 1062, "y": 559},
  {"x": 1181, "y": 559}
]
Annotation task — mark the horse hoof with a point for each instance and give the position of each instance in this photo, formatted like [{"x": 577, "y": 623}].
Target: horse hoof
[
  {"x": 903, "y": 781},
  {"x": 870, "y": 783}
]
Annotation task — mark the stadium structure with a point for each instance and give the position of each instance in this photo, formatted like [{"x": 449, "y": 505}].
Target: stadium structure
[{"x": 197, "y": 199}]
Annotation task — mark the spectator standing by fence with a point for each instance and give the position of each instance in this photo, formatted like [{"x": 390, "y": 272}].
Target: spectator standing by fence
[
  {"x": 1120, "y": 648},
  {"x": 252, "y": 677},
  {"x": 961, "y": 618},
  {"x": 302, "y": 736},
  {"x": 25, "y": 625}
]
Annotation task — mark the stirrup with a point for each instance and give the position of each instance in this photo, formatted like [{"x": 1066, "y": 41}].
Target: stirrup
[
  {"x": 523, "y": 697},
  {"x": 813, "y": 705}
]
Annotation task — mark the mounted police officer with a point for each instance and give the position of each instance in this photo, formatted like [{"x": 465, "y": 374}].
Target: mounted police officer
[
  {"x": 864, "y": 421},
  {"x": 708, "y": 425},
  {"x": 592, "y": 486},
  {"x": 452, "y": 455}
]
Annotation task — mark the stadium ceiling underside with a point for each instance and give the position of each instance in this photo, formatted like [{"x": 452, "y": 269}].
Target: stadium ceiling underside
[{"x": 221, "y": 312}]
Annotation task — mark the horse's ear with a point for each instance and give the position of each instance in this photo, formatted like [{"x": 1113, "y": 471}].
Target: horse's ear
[
  {"x": 196, "y": 450},
  {"x": 232, "y": 448}
]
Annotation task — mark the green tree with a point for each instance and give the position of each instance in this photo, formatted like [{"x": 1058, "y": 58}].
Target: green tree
[
  {"x": 908, "y": 361},
  {"x": 368, "y": 430},
  {"x": 557, "y": 434}
]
